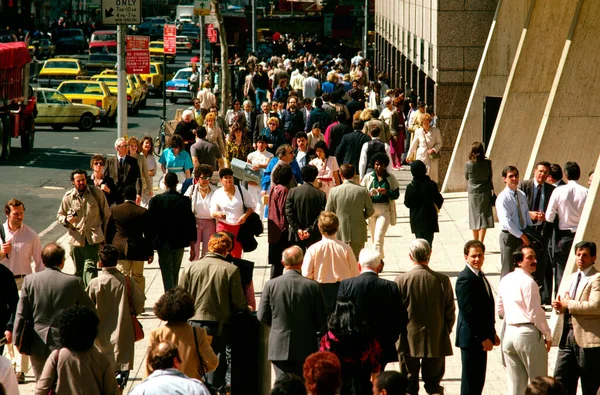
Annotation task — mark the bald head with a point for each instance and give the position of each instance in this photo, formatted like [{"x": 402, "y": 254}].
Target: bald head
[{"x": 292, "y": 258}]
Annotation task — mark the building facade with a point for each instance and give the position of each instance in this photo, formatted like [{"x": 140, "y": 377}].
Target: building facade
[{"x": 434, "y": 48}]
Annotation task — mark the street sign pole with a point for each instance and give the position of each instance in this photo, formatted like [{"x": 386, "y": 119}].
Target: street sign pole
[
  {"x": 164, "y": 84},
  {"x": 121, "y": 84},
  {"x": 253, "y": 5},
  {"x": 202, "y": 49}
]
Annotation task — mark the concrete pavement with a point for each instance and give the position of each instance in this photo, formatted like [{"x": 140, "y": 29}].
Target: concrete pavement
[{"x": 447, "y": 257}]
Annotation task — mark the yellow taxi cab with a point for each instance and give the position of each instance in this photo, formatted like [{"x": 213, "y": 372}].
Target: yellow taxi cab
[
  {"x": 138, "y": 82},
  {"x": 133, "y": 95},
  {"x": 93, "y": 93},
  {"x": 55, "y": 110},
  {"x": 155, "y": 78},
  {"x": 157, "y": 51},
  {"x": 56, "y": 70}
]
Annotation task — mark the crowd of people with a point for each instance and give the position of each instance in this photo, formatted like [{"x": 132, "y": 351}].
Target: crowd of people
[{"x": 322, "y": 155}]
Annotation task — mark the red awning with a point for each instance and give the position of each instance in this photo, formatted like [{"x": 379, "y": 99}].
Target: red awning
[{"x": 13, "y": 55}]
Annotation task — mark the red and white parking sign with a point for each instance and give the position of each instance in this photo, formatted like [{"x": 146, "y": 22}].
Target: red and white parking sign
[
  {"x": 137, "y": 54},
  {"x": 169, "y": 40}
]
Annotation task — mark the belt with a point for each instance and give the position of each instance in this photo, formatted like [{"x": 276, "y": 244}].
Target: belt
[
  {"x": 19, "y": 276},
  {"x": 522, "y": 324}
]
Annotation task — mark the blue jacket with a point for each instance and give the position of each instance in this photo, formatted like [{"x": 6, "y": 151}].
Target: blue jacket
[{"x": 266, "y": 179}]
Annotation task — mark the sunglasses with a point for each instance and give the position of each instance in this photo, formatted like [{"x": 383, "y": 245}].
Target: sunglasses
[
  {"x": 204, "y": 178},
  {"x": 98, "y": 163},
  {"x": 272, "y": 124}
]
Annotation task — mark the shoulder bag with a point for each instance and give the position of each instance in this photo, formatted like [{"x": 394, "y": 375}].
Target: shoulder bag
[
  {"x": 202, "y": 368},
  {"x": 138, "y": 329},
  {"x": 494, "y": 196},
  {"x": 3, "y": 237},
  {"x": 249, "y": 229}
]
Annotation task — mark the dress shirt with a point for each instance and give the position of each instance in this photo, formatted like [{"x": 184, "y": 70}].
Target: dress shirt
[
  {"x": 542, "y": 199},
  {"x": 26, "y": 247},
  {"x": 200, "y": 205},
  {"x": 508, "y": 216},
  {"x": 258, "y": 158},
  {"x": 519, "y": 301},
  {"x": 567, "y": 202},
  {"x": 299, "y": 156},
  {"x": 329, "y": 261},
  {"x": 309, "y": 87},
  {"x": 362, "y": 162},
  {"x": 585, "y": 276}
]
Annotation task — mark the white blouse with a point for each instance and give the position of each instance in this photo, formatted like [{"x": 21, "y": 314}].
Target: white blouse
[
  {"x": 233, "y": 208},
  {"x": 200, "y": 205}
]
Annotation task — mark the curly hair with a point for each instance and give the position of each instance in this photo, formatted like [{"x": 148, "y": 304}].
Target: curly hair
[
  {"x": 135, "y": 140},
  {"x": 78, "y": 328},
  {"x": 322, "y": 373},
  {"x": 97, "y": 158},
  {"x": 220, "y": 243},
  {"x": 175, "y": 305}
]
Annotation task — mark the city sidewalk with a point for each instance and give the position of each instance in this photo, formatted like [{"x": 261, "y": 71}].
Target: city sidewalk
[{"x": 447, "y": 258}]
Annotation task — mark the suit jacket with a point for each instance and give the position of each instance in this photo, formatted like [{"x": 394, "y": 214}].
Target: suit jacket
[
  {"x": 173, "y": 219},
  {"x": 259, "y": 125},
  {"x": 420, "y": 197},
  {"x": 302, "y": 209},
  {"x": 352, "y": 204},
  {"x": 349, "y": 149},
  {"x": 376, "y": 298},
  {"x": 44, "y": 297},
  {"x": 132, "y": 174},
  {"x": 9, "y": 297},
  {"x": 584, "y": 310},
  {"x": 294, "y": 308},
  {"x": 528, "y": 187},
  {"x": 429, "y": 300},
  {"x": 127, "y": 228},
  {"x": 476, "y": 314}
]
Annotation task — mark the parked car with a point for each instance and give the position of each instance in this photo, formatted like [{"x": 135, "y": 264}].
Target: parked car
[
  {"x": 183, "y": 44},
  {"x": 155, "y": 78},
  {"x": 157, "y": 51},
  {"x": 93, "y": 93},
  {"x": 56, "y": 70},
  {"x": 133, "y": 95},
  {"x": 177, "y": 88},
  {"x": 103, "y": 41},
  {"x": 56, "y": 111},
  {"x": 98, "y": 62},
  {"x": 70, "y": 40},
  {"x": 45, "y": 48}
]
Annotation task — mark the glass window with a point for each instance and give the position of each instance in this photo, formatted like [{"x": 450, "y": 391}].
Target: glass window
[
  {"x": 61, "y": 65},
  {"x": 56, "y": 98}
]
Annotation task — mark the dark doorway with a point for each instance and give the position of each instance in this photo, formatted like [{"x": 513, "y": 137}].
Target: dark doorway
[{"x": 491, "y": 106}]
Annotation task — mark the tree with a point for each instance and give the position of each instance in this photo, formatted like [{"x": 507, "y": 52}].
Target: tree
[{"x": 224, "y": 77}]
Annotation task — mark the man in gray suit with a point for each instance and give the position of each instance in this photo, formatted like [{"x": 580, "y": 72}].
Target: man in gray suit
[
  {"x": 429, "y": 300},
  {"x": 44, "y": 297},
  {"x": 353, "y": 206},
  {"x": 293, "y": 307}
]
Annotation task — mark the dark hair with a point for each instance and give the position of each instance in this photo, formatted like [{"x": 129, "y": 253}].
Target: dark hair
[
  {"x": 543, "y": 163},
  {"x": 381, "y": 158},
  {"x": 556, "y": 171},
  {"x": 289, "y": 384},
  {"x": 375, "y": 113},
  {"x": 393, "y": 382},
  {"x": 301, "y": 135},
  {"x": 282, "y": 174},
  {"x": 307, "y": 100},
  {"x": 318, "y": 102},
  {"x": 201, "y": 132},
  {"x": 171, "y": 180},
  {"x": 12, "y": 203},
  {"x": 95, "y": 158},
  {"x": 590, "y": 245},
  {"x": 161, "y": 356},
  {"x": 477, "y": 153},
  {"x": 544, "y": 385},
  {"x": 326, "y": 97},
  {"x": 375, "y": 131},
  {"x": 572, "y": 171},
  {"x": 322, "y": 145},
  {"x": 53, "y": 255},
  {"x": 262, "y": 138},
  {"x": 78, "y": 171},
  {"x": 341, "y": 116},
  {"x": 347, "y": 171},
  {"x": 309, "y": 173},
  {"x": 322, "y": 373},
  {"x": 519, "y": 255},
  {"x": 358, "y": 124},
  {"x": 473, "y": 244},
  {"x": 108, "y": 255},
  {"x": 176, "y": 142},
  {"x": 129, "y": 192},
  {"x": 226, "y": 171},
  {"x": 202, "y": 169},
  {"x": 78, "y": 328},
  {"x": 175, "y": 305},
  {"x": 509, "y": 169}
]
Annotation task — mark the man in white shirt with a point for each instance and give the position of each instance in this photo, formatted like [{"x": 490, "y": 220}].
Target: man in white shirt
[
  {"x": 20, "y": 245},
  {"x": 310, "y": 85},
  {"x": 259, "y": 160},
  {"x": 368, "y": 151},
  {"x": 527, "y": 337},
  {"x": 567, "y": 203},
  {"x": 357, "y": 59},
  {"x": 579, "y": 345}
]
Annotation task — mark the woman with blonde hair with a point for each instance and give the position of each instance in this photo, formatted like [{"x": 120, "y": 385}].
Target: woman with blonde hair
[
  {"x": 478, "y": 173},
  {"x": 214, "y": 134},
  {"x": 273, "y": 134},
  {"x": 426, "y": 145}
]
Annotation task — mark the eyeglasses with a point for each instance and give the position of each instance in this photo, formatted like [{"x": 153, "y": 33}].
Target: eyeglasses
[
  {"x": 98, "y": 163},
  {"x": 122, "y": 146},
  {"x": 206, "y": 178}
]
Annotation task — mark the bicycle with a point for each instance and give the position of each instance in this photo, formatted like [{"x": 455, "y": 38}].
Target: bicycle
[{"x": 160, "y": 141}]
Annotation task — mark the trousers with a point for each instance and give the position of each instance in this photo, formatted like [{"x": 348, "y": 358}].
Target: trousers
[
  {"x": 574, "y": 363},
  {"x": 86, "y": 259},
  {"x": 508, "y": 245},
  {"x": 432, "y": 371},
  {"x": 525, "y": 356},
  {"x": 205, "y": 227},
  {"x": 170, "y": 262},
  {"x": 133, "y": 269},
  {"x": 379, "y": 224},
  {"x": 19, "y": 361}
]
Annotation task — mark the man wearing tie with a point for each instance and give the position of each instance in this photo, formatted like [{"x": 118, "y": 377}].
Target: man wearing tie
[
  {"x": 124, "y": 170},
  {"x": 513, "y": 215},
  {"x": 475, "y": 331},
  {"x": 261, "y": 121},
  {"x": 579, "y": 345},
  {"x": 538, "y": 195}
]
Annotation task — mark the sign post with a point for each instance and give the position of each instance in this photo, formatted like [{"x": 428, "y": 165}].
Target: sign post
[
  {"x": 169, "y": 47},
  {"x": 138, "y": 54}
]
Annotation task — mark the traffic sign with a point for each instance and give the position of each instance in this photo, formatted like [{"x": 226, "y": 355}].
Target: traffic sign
[
  {"x": 137, "y": 54},
  {"x": 169, "y": 40},
  {"x": 201, "y": 11},
  {"x": 211, "y": 33},
  {"x": 121, "y": 12}
]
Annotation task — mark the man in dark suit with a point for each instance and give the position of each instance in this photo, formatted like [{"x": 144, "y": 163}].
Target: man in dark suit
[
  {"x": 375, "y": 298},
  {"x": 294, "y": 308},
  {"x": 250, "y": 115},
  {"x": 475, "y": 332},
  {"x": 127, "y": 228},
  {"x": 44, "y": 297},
  {"x": 261, "y": 120},
  {"x": 174, "y": 229},
  {"x": 303, "y": 153},
  {"x": 123, "y": 169},
  {"x": 349, "y": 149},
  {"x": 302, "y": 209},
  {"x": 538, "y": 192}
]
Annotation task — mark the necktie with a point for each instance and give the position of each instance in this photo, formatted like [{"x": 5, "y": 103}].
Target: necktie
[
  {"x": 485, "y": 283},
  {"x": 538, "y": 198},
  {"x": 121, "y": 162},
  {"x": 521, "y": 220},
  {"x": 573, "y": 290}
]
